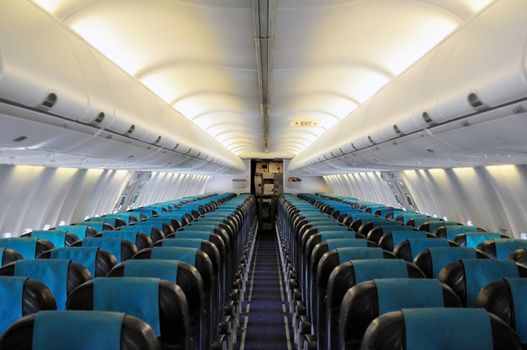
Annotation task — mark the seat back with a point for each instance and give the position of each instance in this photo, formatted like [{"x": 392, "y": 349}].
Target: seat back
[
  {"x": 473, "y": 239},
  {"x": 98, "y": 261},
  {"x": 121, "y": 249},
  {"x": 348, "y": 275},
  {"x": 502, "y": 248},
  {"x": 22, "y": 296},
  {"x": 368, "y": 300},
  {"x": 29, "y": 248},
  {"x": 432, "y": 260},
  {"x": 377, "y": 232},
  {"x": 467, "y": 277},
  {"x": 392, "y": 238},
  {"x": 184, "y": 275},
  {"x": 59, "y": 239},
  {"x": 80, "y": 330},
  {"x": 160, "y": 303},
  {"x": 203, "y": 264},
  {"x": 8, "y": 256},
  {"x": 60, "y": 276},
  {"x": 156, "y": 233},
  {"x": 140, "y": 240},
  {"x": 439, "y": 329},
  {"x": 451, "y": 231},
  {"x": 507, "y": 299},
  {"x": 81, "y": 231},
  {"x": 411, "y": 247}
]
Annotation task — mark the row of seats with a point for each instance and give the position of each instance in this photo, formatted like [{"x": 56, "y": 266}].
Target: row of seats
[
  {"x": 169, "y": 276},
  {"x": 364, "y": 275}
]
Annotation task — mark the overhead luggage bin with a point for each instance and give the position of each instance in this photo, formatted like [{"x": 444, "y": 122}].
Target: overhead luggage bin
[{"x": 53, "y": 82}]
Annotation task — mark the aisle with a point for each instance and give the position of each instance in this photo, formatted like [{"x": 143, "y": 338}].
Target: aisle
[{"x": 267, "y": 324}]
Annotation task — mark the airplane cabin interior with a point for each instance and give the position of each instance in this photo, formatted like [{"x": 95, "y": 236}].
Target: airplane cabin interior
[{"x": 263, "y": 174}]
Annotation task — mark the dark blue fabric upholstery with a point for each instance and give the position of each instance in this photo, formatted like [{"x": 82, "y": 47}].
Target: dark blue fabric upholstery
[
  {"x": 52, "y": 273},
  {"x": 11, "y": 292},
  {"x": 447, "y": 328},
  {"x": 417, "y": 245},
  {"x": 85, "y": 256},
  {"x": 182, "y": 242},
  {"x": 346, "y": 242},
  {"x": 354, "y": 253},
  {"x": 187, "y": 255},
  {"x": 135, "y": 296},
  {"x": 366, "y": 270},
  {"x": 505, "y": 247},
  {"x": 162, "y": 269},
  {"x": 399, "y": 236},
  {"x": 473, "y": 239},
  {"x": 480, "y": 272},
  {"x": 112, "y": 245},
  {"x": 396, "y": 293},
  {"x": 26, "y": 246},
  {"x": 57, "y": 238},
  {"x": 77, "y": 230},
  {"x": 79, "y": 330},
  {"x": 443, "y": 256},
  {"x": 519, "y": 295}
]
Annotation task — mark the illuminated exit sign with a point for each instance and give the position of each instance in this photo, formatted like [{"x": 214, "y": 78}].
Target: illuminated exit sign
[{"x": 305, "y": 124}]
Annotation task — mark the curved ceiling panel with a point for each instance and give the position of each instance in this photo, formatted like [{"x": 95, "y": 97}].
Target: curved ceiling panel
[
  {"x": 327, "y": 57},
  {"x": 339, "y": 53}
]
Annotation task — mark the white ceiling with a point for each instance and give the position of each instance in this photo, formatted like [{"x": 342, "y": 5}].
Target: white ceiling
[{"x": 329, "y": 56}]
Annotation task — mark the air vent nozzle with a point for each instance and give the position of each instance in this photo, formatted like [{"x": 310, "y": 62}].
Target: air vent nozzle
[
  {"x": 100, "y": 118},
  {"x": 158, "y": 139},
  {"x": 476, "y": 102},
  {"x": 371, "y": 140},
  {"x": 397, "y": 130},
  {"x": 131, "y": 129},
  {"x": 427, "y": 118},
  {"x": 49, "y": 101}
]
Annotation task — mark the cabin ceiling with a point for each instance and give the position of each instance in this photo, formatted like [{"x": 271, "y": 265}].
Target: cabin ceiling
[{"x": 326, "y": 57}]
